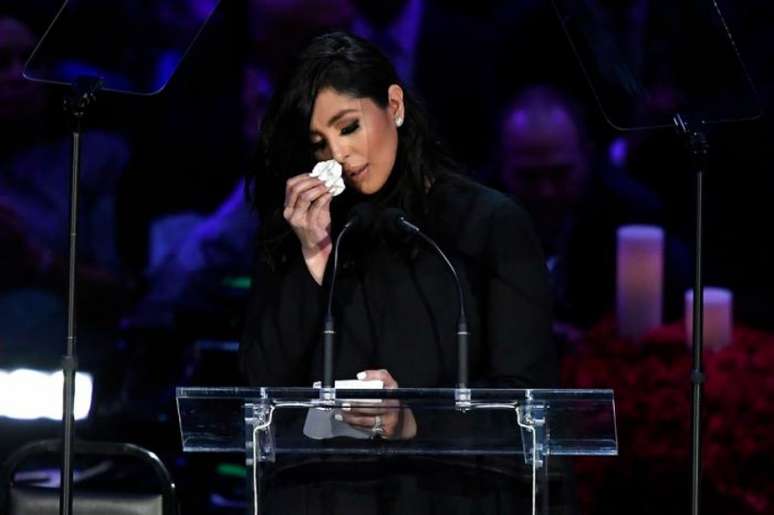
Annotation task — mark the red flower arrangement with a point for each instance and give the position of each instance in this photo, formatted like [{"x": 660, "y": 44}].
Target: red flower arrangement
[{"x": 652, "y": 387}]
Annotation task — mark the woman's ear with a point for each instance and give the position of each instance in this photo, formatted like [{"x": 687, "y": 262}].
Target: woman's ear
[{"x": 395, "y": 104}]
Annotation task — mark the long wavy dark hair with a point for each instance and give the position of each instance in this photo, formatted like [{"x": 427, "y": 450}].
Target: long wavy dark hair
[{"x": 351, "y": 66}]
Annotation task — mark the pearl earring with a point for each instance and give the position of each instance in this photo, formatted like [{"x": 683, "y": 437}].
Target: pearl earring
[{"x": 398, "y": 121}]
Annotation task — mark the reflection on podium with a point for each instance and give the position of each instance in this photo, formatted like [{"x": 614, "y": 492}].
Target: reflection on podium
[{"x": 506, "y": 449}]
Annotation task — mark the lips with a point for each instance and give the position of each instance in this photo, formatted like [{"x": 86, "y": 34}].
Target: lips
[{"x": 357, "y": 172}]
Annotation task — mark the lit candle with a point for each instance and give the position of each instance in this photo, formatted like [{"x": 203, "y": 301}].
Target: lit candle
[
  {"x": 639, "y": 279},
  {"x": 718, "y": 318}
]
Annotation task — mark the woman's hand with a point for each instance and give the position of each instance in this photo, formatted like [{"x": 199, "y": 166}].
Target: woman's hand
[
  {"x": 307, "y": 210},
  {"x": 396, "y": 422}
]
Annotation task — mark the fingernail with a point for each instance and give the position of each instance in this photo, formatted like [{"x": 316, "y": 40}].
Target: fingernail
[
  {"x": 345, "y": 406},
  {"x": 361, "y": 376},
  {"x": 339, "y": 417}
]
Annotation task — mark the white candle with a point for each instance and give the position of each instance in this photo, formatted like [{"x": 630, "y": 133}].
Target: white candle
[
  {"x": 718, "y": 317},
  {"x": 639, "y": 279}
]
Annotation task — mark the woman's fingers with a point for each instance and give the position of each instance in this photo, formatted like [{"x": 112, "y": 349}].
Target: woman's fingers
[
  {"x": 367, "y": 409},
  {"x": 305, "y": 193},
  {"x": 382, "y": 375},
  {"x": 319, "y": 207},
  {"x": 297, "y": 186},
  {"x": 387, "y": 414},
  {"x": 290, "y": 188},
  {"x": 297, "y": 178},
  {"x": 309, "y": 196},
  {"x": 359, "y": 420},
  {"x": 388, "y": 421},
  {"x": 298, "y": 212}
]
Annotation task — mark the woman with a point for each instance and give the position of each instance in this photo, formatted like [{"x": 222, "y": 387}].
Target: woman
[{"x": 395, "y": 302}]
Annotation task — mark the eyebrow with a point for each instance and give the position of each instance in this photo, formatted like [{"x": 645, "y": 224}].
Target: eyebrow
[{"x": 336, "y": 117}]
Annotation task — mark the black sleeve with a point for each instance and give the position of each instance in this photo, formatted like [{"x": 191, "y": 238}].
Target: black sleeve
[
  {"x": 520, "y": 351},
  {"x": 282, "y": 326}
]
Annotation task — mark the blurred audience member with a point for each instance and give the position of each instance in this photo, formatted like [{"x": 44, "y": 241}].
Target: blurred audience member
[
  {"x": 278, "y": 30},
  {"x": 432, "y": 44},
  {"x": 20, "y": 100},
  {"x": 546, "y": 162},
  {"x": 194, "y": 259},
  {"x": 394, "y": 27}
]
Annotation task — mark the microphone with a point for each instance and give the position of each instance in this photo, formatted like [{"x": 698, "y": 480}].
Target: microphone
[
  {"x": 395, "y": 220},
  {"x": 359, "y": 218}
]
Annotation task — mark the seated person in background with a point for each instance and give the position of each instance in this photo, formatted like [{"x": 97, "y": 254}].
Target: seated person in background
[
  {"x": 546, "y": 163},
  {"x": 192, "y": 258}
]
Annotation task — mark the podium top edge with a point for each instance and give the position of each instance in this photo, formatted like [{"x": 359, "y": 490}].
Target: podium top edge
[{"x": 269, "y": 393}]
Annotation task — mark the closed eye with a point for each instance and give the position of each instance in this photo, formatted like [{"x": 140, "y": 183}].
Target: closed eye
[
  {"x": 318, "y": 146},
  {"x": 349, "y": 129}
]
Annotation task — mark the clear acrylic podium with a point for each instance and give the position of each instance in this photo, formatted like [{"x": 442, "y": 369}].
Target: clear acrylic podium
[{"x": 521, "y": 433}]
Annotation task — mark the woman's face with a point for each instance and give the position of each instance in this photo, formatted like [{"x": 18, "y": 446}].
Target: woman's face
[{"x": 359, "y": 134}]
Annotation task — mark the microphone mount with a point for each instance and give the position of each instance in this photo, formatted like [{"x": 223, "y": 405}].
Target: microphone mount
[{"x": 360, "y": 217}]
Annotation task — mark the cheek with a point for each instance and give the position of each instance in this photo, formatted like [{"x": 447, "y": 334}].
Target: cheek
[
  {"x": 382, "y": 146},
  {"x": 323, "y": 155}
]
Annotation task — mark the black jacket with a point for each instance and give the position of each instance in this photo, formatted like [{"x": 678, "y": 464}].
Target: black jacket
[{"x": 397, "y": 309}]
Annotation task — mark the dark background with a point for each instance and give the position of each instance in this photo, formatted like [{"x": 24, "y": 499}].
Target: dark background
[{"x": 189, "y": 146}]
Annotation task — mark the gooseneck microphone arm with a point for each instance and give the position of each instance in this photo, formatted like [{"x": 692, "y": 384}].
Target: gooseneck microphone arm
[
  {"x": 360, "y": 217},
  {"x": 462, "y": 321},
  {"x": 329, "y": 330}
]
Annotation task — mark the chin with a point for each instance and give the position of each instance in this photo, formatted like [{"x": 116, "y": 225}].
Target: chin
[{"x": 367, "y": 190}]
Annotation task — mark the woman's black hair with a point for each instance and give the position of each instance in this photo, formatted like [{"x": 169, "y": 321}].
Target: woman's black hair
[{"x": 352, "y": 66}]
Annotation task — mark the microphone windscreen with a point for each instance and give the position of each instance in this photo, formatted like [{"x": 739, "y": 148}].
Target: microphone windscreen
[
  {"x": 389, "y": 219},
  {"x": 392, "y": 222}
]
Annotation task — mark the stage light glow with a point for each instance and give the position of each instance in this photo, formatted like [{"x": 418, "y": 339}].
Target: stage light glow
[{"x": 27, "y": 394}]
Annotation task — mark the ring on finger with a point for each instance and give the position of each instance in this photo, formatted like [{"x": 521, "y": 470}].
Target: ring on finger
[{"x": 378, "y": 428}]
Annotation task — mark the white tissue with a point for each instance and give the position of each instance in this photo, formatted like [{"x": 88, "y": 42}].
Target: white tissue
[{"x": 329, "y": 172}]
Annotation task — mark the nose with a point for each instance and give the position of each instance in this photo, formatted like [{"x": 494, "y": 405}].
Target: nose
[{"x": 340, "y": 150}]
